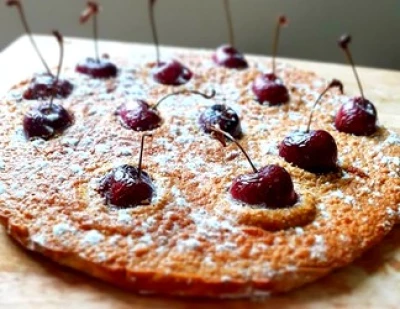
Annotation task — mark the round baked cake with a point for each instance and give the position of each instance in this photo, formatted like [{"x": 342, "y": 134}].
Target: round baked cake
[{"x": 193, "y": 239}]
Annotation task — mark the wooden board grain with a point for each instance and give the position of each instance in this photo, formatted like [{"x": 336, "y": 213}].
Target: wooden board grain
[{"x": 29, "y": 281}]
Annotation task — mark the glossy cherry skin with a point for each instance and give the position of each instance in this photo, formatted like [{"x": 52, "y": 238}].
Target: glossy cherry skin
[
  {"x": 223, "y": 117},
  {"x": 46, "y": 120},
  {"x": 122, "y": 187},
  {"x": 101, "y": 68},
  {"x": 139, "y": 116},
  {"x": 229, "y": 57},
  {"x": 358, "y": 116},
  {"x": 171, "y": 73},
  {"x": 313, "y": 151},
  {"x": 269, "y": 89},
  {"x": 42, "y": 87},
  {"x": 271, "y": 187}
]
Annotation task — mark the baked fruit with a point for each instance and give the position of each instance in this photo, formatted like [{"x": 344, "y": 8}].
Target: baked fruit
[
  {"x": 358, "y": 115},
  {"x": 192, "y": 238},
  {"x": 46, "y": 119},
  {"x": 313, "y": 150},
  {"x": 169, "y": 72},
  {"x": 127, "y": 186},
  {"x": 268, "y": 87},
  {"x": 138, "y": 115},
  {"x": 97, "y": 67},
  {"x": 269, "y": 187},
  {"x": 223, "y": 117},
  {"x": 43, "y": 85},
  {"x": 228, "y": 55}
]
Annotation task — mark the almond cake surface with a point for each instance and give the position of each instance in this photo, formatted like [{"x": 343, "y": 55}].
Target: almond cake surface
[{"x": 194, "y": 239}]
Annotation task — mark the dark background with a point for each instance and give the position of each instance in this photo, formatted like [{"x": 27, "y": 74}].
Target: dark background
[{"x": 314, "y": 26}]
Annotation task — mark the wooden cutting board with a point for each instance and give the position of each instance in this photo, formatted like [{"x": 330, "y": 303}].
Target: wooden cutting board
[{"x": 29, "y": 281}]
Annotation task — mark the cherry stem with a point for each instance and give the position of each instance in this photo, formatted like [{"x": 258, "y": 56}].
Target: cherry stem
[
  {"x": 141, "y": 153},
  {"x": 186, "y": 91},
  {"x": 332, "y": 84},
  {"x": 95, "y": 37},
  {"x": 60, "y": 63},
  {"x": 281, "y": 21},
  {"x": 20, "y": 9},
  {"x": 231, "y": 138},
  {"x": 229, "y": 21},
  {"x": 351, "y": 61},
  {"x": 92, "y": 9},
  {"x": 154, "y": 29}
]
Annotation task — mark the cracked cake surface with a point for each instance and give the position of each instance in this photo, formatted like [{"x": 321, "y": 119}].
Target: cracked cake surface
[{"x": 193, "y": 239}]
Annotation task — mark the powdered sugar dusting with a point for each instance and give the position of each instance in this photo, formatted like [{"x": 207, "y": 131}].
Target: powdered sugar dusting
[
  {"x": 317, "y": 251},
  {"x": 92, "y": 238},
  {"x": 62, "y": 228},
  {"x": 192, "y": 215},
  {"x": 2, "y": 188}
]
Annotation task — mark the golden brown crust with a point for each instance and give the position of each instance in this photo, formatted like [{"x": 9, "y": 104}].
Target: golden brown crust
[{"x": 194, "y": 240}]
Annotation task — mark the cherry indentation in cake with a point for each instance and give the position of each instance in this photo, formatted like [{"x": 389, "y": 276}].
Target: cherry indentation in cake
[
  {"x": 223, "y": 117},
  {"x": 229, "y": 57},
  {"x": 358, "y": 116},
  {"x": 171, "y": 73},
  {"x": 138, "y": 115},
  {"x": 96, "y": 67},
  {"x": 127, "y": 186},
  {"x": 43, "y": 86},
  {"x": 312, "y": 150},
  {"x": 48, "y": 119},
  {"x": 269, "y": 88},
  {"x": 269, "y": 187}
]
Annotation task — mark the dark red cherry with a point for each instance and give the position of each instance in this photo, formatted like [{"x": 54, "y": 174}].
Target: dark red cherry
[
  {"x": 271, "y": 187},
  {"x": 124, "y": 187},
  {"x": 171, "y": 73},
  {"x": 95, "y": 67},
  {"x": 315, "y": 151},
  {"x": 138, "y": 115},
  {"x": 43, "y": 86},
  {"x": 358, "y": 116},
  {"x": 127, "y": 186},
  {"x": 101, "y": 68},
  {"x": 312, "y": 150},
  {"x": 46, "y": 120},
  {"x": 269, "y": 89},
  {"x": 223, "y": 117},
  {"x": 229, "y": 57}
]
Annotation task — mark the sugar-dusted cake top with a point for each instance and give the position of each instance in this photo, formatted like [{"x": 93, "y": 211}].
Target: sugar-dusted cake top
[{"x": 193, "y": 239}]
